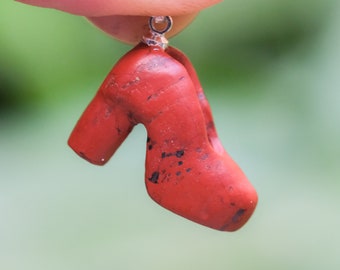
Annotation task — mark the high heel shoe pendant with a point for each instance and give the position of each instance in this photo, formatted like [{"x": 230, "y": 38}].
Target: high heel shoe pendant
[{"x": 187, "y": 170}]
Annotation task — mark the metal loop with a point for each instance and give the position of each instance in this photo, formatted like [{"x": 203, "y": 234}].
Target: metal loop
[{"x": 158, "y": 20}]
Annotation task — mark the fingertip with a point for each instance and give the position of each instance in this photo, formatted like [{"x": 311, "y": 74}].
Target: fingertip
[
  {"x": 125, "y": 7},
  {"x": 131, "y": 29}
]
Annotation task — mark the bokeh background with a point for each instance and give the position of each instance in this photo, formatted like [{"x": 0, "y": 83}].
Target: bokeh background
[{"x": 271, "y": 72}]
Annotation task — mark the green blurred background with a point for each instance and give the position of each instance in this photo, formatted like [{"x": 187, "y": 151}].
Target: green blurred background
[{"x": 271, "y": 72}]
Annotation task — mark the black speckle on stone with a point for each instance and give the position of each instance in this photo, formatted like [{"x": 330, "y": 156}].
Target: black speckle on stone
[
  {"x": 119, "y": 131},
  {"x": 179, "y": 153},
  {"x": 154, "y": 177},
  {"x": 180, "y": 163},
  {"x": 131, "y": 117},
  {"x": 238, "y": 215},
  {"x": 210, "y": 125},
  {"x": 188, "y": 170},
  {"x": 164, "y": 155},
  {"x": 149, "y": 143},
  {"x": 201, "y": 96},
  {"x": 204, "y": 156},
  {"x": 178, "y": 173}
]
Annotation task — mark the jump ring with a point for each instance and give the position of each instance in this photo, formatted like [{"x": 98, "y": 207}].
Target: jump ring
[{"x": 160, "y": 19}]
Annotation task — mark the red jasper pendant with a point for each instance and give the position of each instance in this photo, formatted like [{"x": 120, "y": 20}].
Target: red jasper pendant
[{"x": 187, "y": 170}]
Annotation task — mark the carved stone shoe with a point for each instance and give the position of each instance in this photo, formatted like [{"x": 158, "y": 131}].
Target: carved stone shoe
[{"x": 187, "y": 169}]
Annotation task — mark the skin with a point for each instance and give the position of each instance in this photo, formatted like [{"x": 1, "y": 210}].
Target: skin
[{"x": 127, "y": 20}]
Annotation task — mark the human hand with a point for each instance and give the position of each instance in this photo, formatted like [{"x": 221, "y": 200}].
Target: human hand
[{"x": 127, "y": 20}]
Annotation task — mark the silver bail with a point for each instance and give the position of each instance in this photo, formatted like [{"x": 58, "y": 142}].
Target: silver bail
[{"x": 156, "y": 36}]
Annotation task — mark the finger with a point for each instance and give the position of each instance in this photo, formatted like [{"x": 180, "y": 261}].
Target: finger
[
  {"x": 96, "y": 8},
  {"x": 130, "y": 29}
]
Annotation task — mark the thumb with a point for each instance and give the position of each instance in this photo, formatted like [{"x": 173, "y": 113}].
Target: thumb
[
  {"x": 127, "y": 20},
  {"x": 95, "y": 8}
]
